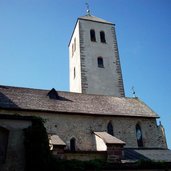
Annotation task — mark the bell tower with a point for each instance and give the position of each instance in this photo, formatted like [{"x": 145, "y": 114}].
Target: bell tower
[{"x": 94, "y": 58}]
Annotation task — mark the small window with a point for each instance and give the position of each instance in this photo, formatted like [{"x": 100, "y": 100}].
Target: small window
[
  {"x": 72, "y": 144},
  {"x": 102, "y": 37},
  {"x": 100, "y": 62},
  {"x": 92, "y": 35},
  {"x": 110, "y": 128},
  {"x": 139, "y": 136}
]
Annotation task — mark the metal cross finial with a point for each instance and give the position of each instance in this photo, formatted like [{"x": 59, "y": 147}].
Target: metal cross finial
[
  {"x": 133, "y": 92},
  {"x": 88, "y": 8},
  {"x": 160, "y": 124}
]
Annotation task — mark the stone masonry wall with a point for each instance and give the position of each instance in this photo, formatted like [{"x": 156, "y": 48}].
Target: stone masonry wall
[{"x": 67, "y": 126}]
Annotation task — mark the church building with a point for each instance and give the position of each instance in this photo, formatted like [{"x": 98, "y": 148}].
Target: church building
[{"x": 94, "y": 120}]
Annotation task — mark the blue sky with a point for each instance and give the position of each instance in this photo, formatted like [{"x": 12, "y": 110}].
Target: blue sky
[{"x": 34, "y": 36}]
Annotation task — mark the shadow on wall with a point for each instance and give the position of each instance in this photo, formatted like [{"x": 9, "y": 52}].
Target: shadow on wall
[{"x": 3, "y": 144}]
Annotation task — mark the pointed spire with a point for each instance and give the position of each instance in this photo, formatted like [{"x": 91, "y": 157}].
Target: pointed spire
[{"x": 88, "y": 8}]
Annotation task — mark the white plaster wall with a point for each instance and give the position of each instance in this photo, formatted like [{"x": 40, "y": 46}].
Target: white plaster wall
[
  {"x": 74, "y": 61},
  {"x": 14, "y": 124},
  {"x": 15, "y": 157},
  {"x": 100, "y": 144}
]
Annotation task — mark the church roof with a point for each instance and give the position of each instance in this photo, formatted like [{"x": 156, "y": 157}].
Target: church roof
[
  {"x": 93, "y": 18},
  {"x": 67, "y": 102}
]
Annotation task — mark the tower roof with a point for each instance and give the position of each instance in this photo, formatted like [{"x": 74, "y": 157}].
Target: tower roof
[
  {"x": 94, "y": 18},
  {"x": 90, "y": 18}
]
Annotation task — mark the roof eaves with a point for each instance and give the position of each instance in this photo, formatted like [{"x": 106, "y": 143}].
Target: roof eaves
[
  {"x": 79, "y": 113},
  {"x": 157, "y": 116}
]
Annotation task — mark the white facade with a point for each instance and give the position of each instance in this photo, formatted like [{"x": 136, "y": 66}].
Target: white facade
[
  {"x": 86, "y": 76},
  {"x": 74, "y": 62}
]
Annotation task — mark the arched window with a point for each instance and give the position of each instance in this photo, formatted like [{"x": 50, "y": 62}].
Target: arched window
[
  {"x": 72, "y": 144},
  {"x": 102, "y": 37},
  {"x": 139, "y": 136},
  {"x": 92, "y": 35},
  {"x": 110, "y": 128},
  {"x": 100, "y": 62},
  {"x": 3, "y": 144}
]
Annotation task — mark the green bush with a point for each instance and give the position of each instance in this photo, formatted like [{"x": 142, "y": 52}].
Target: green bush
[{"x": 38, "y": 156}]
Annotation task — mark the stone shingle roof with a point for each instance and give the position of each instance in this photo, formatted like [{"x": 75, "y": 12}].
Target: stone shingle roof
[
  {"x": 147, "y": 154},
  {"x": 35, "y": 99},
  {"x": 156, "y": 155},
  {"x": 56, "y": 140},
  {"x": 109, "y": 139}
]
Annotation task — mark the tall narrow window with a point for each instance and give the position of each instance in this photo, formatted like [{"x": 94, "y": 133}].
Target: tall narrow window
[
  {"x": 74, "y": 44},
  {"x": 100, "y": 62},
  {"x": 102, "y": 37},
  {"x": 72, "y": 144},
  {"x": 3, "y": 144},
  {"x": 139, "y": 136},
  {"x": 72, "y": 49},
  {"x": 74, "y": 73},
  {"x": 110, "y": 128},
  {"x": 92, "y": 35}
]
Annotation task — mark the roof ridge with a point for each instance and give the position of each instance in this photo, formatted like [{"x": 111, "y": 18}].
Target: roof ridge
[{"x": 67, "y": 92}]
